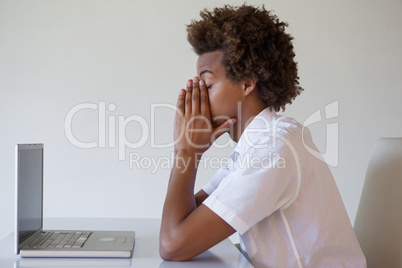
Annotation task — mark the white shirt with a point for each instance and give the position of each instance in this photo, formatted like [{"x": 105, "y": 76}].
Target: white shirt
[{"x": 282, "y": 200}]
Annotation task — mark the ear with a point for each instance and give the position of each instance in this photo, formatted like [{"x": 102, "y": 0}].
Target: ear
[{"x": 248, "y": 86}]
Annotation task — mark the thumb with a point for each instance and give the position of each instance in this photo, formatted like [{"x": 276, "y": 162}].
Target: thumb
[{"x": 224, "y": 127}]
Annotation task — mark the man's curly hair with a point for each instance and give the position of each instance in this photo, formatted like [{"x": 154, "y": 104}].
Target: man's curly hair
[{"x": 254, "y": 45}]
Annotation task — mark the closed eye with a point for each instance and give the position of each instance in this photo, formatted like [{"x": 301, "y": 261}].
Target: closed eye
[{"x": 208, "y": 87}]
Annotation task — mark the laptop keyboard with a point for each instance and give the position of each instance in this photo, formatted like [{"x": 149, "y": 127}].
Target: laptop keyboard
[{"x": 59, "y": 240}]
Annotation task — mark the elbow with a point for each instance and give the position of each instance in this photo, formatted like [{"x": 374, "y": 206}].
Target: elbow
[
  {"x": 171, "y": 251},
  {"x": 164, "y": 252},
  {"x": 167, "y": 255}
]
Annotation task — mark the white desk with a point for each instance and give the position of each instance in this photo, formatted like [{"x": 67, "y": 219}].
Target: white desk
[{"x": 146, "y": 249}]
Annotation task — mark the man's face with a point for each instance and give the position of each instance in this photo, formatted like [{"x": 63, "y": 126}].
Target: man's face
[{"x": 224, "y": 95}]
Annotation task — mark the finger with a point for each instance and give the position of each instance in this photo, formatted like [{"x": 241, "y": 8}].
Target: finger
[
  {"x": 223, "y": 128},
  {"x": 204, "y": 102},
  {"x": 196, "y": 97},
  {"x": 178, "y": 120},
  {"x": 188, "y": 99},
  {"x": 180, "y": 102},
  {"x": 180, "y": 109}
]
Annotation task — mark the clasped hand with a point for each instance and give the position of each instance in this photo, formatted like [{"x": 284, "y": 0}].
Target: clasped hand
[{"x": 193, "y": 130}]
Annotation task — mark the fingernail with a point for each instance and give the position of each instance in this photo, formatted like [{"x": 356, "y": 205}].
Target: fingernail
[
  {"x": 181, "y": 93},
  {"x": 195, "y": 80},
  {"x": 201, "y": 82},
  {"x": 189, "y": 83},
  {"x": 233, "y": 121}
]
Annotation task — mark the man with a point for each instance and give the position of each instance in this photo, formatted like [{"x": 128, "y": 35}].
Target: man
[{"x": 282, "y": 200}]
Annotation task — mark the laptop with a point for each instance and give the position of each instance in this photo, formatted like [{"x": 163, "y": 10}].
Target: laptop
[{"x": 32, "y": 241}]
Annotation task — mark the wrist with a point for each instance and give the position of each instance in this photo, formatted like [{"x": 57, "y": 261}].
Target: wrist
[
  {"x": 183, "y": 153},
  {"x": 188, "y": 156}
]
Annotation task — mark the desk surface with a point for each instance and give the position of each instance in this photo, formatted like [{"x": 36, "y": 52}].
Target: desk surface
[{"x": 146, "y": 249}]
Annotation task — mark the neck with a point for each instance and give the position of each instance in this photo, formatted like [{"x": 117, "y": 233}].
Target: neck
[{"x": 247, "y": 110}]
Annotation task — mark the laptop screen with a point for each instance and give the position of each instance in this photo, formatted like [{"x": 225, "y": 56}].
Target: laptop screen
[{"x": 29, "y": 170}]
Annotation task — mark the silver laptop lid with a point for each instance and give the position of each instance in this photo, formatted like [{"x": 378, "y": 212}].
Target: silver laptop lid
[{"x": 29, "y": 191}]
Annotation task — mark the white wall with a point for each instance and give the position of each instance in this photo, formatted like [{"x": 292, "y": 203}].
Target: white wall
[{"x": 55, "y": 55}]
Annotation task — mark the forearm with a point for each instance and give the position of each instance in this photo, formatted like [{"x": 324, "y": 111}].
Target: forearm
[
  {"x": 189, "y": 228},
  {"x": 180, "y": 200}
]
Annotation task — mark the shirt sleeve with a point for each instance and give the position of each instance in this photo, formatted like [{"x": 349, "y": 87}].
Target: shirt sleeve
[{"x": 259, "y": 182}]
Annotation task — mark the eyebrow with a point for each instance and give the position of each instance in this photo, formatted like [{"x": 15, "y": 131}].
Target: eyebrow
[{"x": 205, "y": 71}]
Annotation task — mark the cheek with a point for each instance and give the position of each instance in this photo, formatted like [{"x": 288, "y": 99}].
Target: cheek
[
  {"x": 219, "y": 114},
  {"x": 214, "y": 104}
]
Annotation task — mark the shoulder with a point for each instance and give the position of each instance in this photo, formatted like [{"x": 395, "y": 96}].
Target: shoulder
[{"x": 268, "y": 127}]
